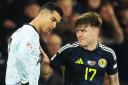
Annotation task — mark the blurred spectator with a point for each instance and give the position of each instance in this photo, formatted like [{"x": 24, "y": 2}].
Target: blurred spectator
[
  {"x": 8, "y": 27},
  {"x": 123, "y": 48},
  {"x": 66, "y": 28},
  {"x": 12, "y": 9},
  {"x": 30, "y": 12},
  {"x": 66, "y": 6},
  {"x": 110, "y": 27},
  {"x": 124, "y": 1},
  {"x": 2, "y": 68},
  {"x": 89, "y": 5},
  {"x": 124, "y": 20},
  {"x": 9, "y": 24},
  {"x": 53, "y": 46},
  {"x": 93, "y": 5},
  {"x": 32, "y": 9}
]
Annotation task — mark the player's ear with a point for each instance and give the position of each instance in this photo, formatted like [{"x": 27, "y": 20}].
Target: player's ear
[
  {"x": 97, "y": 31},
  {"x": 41, "y": 13}
]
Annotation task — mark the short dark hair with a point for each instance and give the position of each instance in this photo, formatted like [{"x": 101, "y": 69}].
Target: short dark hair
[
  {"x": 89, "y": 19},
  {"x": 52, "y": 7}
]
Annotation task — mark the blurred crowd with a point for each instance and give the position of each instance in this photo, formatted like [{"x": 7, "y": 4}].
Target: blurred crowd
[{"x": 114, "y": 32}]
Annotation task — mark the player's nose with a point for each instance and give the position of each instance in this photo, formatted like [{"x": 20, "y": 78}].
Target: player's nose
[{"x": 54, "y": 25}]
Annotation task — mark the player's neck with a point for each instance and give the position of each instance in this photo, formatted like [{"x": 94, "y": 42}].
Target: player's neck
[
  {"x": 35, "y": 23},
  {"x": 91, "y": 46}
]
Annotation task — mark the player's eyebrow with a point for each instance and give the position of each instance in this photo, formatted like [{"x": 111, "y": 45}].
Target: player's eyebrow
[{"x": 54, "y": 19}]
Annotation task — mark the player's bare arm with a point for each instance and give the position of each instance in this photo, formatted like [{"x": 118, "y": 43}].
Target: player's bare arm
[
  {"x": 114, "y": 79},
  {"x": 46, "y": 70},
  {"x": 44, "y": 56}
]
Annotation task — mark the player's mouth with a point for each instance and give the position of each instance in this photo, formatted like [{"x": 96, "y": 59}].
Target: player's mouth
[
  {"x": 80, "y": 39},
  {"x": 50, "y": 30}
]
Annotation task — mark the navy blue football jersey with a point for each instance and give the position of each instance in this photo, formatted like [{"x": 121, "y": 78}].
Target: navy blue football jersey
[{"x": 83, "y": 67}]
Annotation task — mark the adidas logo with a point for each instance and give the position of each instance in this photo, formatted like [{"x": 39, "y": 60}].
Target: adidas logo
[{"x": 79, "y": 61}]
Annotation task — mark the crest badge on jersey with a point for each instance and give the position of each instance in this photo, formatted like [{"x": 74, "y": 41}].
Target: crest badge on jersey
[{"x": 102, "y": 63}]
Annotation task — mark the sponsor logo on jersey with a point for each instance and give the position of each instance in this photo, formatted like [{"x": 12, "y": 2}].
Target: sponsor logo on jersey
[
  {"x": 79, "y": 61},
  {"x": 102, "y": 63}
]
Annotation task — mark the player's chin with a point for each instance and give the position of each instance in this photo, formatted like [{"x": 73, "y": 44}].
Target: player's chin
[{"x": 81, "y": 43}]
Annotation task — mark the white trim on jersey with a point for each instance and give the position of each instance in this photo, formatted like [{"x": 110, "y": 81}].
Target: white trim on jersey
[
  {"x": 108, "y": 50},
  {"x": 52, "y": 58},
  {"x": 115, "y": 66},
  {"x": 66, "y": 47},
  {"x": 75, "y": 44},
  {"x": 63, "y": 48}
]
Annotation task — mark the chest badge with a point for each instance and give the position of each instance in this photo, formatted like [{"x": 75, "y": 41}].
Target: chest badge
[
  {"x": 79, "y": 61},
  {"x": 102, "y": 63}
]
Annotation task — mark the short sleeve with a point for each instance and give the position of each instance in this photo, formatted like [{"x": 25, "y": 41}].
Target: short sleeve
[
  {"x": 112, "y": 64},
  {"x": 60, "y": 58}
]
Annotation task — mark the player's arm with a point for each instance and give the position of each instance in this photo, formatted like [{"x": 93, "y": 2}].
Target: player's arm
[
  {"x": 56, "y": 61},
  {"x": 113, "y": 79},
  {"x": 112, "y": 69},
  {"x": 59, "y": 59},
  {"x": 46, "y": 70}
]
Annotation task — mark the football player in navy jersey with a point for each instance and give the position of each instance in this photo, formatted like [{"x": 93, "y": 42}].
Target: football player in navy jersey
[{"x": 87, "y": 61}]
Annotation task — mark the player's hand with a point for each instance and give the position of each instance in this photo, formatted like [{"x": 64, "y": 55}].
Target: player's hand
[{"x": 44, "y": 56}]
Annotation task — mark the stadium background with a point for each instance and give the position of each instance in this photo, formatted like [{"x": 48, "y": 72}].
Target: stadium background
[{"x": 15, "y": 13}]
